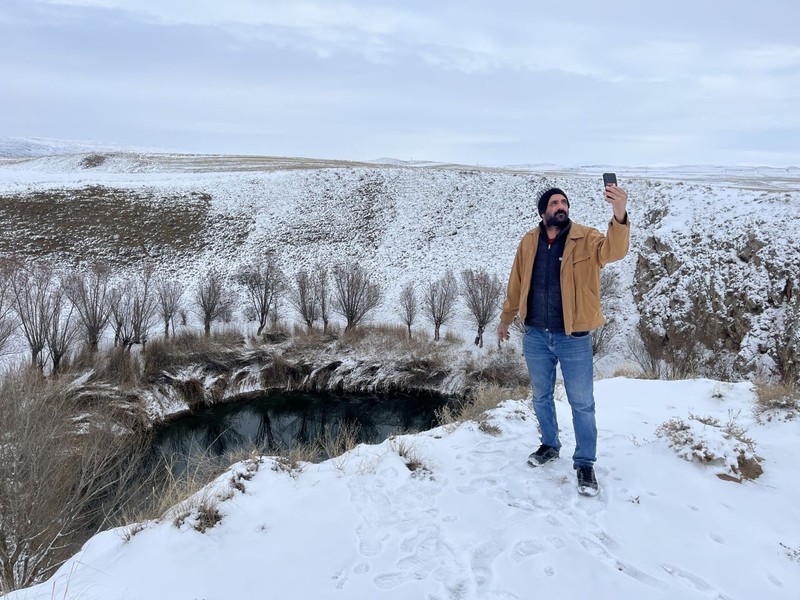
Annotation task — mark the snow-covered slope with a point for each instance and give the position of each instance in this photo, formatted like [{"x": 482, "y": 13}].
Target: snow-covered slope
[
  {"x": 190, "y": 214},
  {"x": 31, "y": 147},
  {"x": 458, "y": 514}
]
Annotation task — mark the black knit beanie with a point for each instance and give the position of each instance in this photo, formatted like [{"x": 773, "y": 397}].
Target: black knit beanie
[{"x": 545, "y": 198}]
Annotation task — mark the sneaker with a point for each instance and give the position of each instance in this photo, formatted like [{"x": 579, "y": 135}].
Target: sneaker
[
  {"x": 543, "y": 456},
  {"x": 587, "y": 482}
]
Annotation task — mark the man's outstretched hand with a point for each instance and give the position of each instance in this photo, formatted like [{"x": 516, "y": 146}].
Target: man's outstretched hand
[{"x": 618, "y": 199}]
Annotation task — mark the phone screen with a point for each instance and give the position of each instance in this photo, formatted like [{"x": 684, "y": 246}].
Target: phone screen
[{"x": 609, "y": 178}]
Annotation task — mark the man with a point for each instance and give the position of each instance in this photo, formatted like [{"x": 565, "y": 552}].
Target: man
[{"x": 554, "y": 286}]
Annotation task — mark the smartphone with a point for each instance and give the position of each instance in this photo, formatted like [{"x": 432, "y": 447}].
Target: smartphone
[{"x": 609, "y": 178}]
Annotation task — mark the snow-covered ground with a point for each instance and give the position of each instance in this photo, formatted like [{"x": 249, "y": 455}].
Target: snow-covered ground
[{"x": 474, "y": 521}]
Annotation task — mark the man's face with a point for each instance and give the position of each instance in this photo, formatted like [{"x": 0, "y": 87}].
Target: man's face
[{"x": 557, "y": 212}]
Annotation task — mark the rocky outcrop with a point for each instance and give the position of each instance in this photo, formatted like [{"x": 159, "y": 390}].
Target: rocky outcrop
[
  {"x": 719, "y": 293},
  {"x": 239, "y": 374}
]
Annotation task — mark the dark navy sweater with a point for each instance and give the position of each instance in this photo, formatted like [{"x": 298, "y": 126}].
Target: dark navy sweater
[{"x": 544, "y": 298}]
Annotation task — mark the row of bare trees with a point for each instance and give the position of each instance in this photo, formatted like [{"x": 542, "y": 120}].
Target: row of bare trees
[
  {"x": 437, "y": 301},
  {"x": 53, "y": 310},
  {"x": 353, "y": 294}
]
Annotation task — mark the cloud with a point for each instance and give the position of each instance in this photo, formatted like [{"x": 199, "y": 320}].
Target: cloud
[{"x": 473, "y": 83}]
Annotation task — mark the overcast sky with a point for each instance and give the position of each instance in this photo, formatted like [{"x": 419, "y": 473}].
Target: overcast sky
[{"x": 493, "y": 83}]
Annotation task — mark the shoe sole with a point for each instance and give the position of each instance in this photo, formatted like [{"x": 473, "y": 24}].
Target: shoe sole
[
  {"x": 584, "y": 490},
  {"x": 535, "y": 464}
]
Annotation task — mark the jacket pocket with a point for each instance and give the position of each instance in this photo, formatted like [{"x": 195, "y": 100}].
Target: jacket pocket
[{"x": 587, "y": 297}]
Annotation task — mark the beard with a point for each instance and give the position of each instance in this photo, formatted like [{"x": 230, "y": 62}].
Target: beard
[{"x": 558, "y": 219}]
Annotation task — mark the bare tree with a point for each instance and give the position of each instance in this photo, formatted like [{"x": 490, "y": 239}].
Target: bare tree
[
  {"x": 119, "y": 309},
  {"x": 169, "y": 293},
  {"x": 303, "y": 298},
  {"x": 609, "y": 289},
  {"x": 481, "y": 293},
  {"x": 322, "y": 293},
  {"x": 212, "y": 300},
  {"x": 144, "y": 306},
  {"x": 354, "y": 293},
  {"x": 63, "y": 330},
  {"x": 7, "y": 323},
  {"x": 32, "y": 300},
  {"x": 91, "y": 294},
  {"x": 263, "y": 283},
  {"x": 439, "y": 301},
  {"x": 602, "y": 336},
  {"x": 134, "y": 310},
  {"x": 408, "y": 305}
]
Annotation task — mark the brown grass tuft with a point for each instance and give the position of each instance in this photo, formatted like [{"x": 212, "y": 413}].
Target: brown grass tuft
[{"x": 776, "y": 400}]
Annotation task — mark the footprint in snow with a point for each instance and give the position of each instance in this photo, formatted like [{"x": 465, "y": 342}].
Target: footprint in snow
[
  {"x": 387, "y": 581},
  {"x": 527, "y": 548},
  {"x": 599, "y": 551},
  {"x": 503, "y": 595},
  {"x": 476, "y": 485},
  {"x": 370, "y": 541},
  {"x": 556, "y": 542},
  {"x": 691, "y": 579},
  {"x": 481, "y": 562}
]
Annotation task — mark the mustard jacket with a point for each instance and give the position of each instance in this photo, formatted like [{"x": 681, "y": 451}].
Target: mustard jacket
[{"x": 585, "y": 253}]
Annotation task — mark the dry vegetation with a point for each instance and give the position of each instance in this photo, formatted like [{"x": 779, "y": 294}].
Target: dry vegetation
[
  {"x": 59, "y": 482},
  {"x": 776, "y": 400},
  {"x": 121, "y": 225},
  {"x": 481, "y": 400},
  {"x": 726, "y": 445}
]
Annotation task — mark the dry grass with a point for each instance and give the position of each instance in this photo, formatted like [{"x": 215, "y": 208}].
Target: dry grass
[
  {"x": 208, "y": 515},
  {"x": 409, "y": 451},
  {"x": 776, "y": 400},
  {"x": 291, "y": 460},
  {"x": 164, "y": 355},
  {"x": 792, "y": 553},
  {"x": 398, "y": 332},
  {"x": 504, "y": 367},
  {"x": 631, "y": 373},
  {"x": 164, "y": 490},
  {"x": 706, "y": 445},
  {"x": 482, "y": 399},
  {"x": 60, "y": 480},
  {"x": 121, "y": 225},
  {"x": 451, "y": 337},
  {"x": 119, "y": 366},
  {"x": 335, "y": 446}
]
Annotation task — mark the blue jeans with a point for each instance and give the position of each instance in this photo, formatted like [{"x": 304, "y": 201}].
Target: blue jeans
[{"x": 543, "y": 350}]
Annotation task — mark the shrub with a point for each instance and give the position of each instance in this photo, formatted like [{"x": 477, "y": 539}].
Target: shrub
[
  {"x": 776, "y": 400},
  {"x": 412, "y": 457},
  {"x": 483, "y": 398},
  {"x": 504, "y": 368},
  {"x": 60, "y": 480},
  {"x": 705, "y": 439}
]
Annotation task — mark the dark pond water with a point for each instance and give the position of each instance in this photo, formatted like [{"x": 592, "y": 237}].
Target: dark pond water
[{"x": 283, "y": 421}]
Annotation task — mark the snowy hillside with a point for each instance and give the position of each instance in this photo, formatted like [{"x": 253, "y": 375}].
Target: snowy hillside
[
  {"x": 32, "y": 147},
  {"x": 732, "y": 234},
  {"x": 456, "y": 513}
]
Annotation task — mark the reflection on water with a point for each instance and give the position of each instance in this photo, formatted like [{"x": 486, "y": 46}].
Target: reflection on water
[{"x": 283, "y": 421}]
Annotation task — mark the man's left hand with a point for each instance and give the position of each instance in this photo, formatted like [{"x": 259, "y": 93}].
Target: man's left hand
[{"x": 618, "y": 199}]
